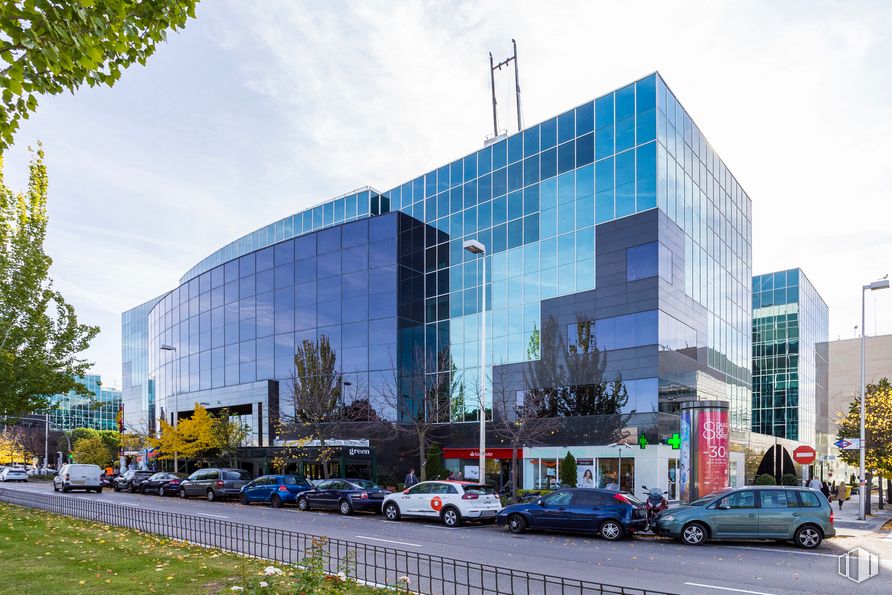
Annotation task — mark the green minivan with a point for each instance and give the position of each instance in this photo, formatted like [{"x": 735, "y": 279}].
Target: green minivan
[{"x": 753, "y": 512}]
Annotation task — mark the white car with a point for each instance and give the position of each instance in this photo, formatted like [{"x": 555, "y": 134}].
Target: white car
[
  {"x": 78, "y": 477},
  {"x": 450, "y": 501},
  {"x": 13, "y": 474}
]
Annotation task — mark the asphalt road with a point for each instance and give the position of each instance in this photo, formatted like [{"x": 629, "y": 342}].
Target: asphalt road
[{"x": 644, "y": 562}]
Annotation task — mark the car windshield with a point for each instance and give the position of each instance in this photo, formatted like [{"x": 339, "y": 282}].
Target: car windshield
[
  {"x": 479, "y": 490},
  {"x": 364, "y": 484},
  {"x": 242, "y": 475},
  {"x": 707, "y": 499}
]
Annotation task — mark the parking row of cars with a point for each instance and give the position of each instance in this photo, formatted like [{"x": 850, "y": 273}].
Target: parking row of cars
[{"x": 796, "y": 514}]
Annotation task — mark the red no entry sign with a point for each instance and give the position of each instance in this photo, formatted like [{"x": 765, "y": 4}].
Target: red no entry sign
[{"x": 804, "y": 455}]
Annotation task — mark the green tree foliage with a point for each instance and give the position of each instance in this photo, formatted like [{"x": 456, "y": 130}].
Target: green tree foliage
[
  {"x": 40, "y": 336},
  {"x": 109, "y": 439},
  {"x": 92, "y": 451},
  {"x": 877, "y": 428},
  {"x": 789, "y": 480},
  {"x": 51, "y": 46},
  {"x": 434, "y": 462},
  {"x": 766, "y": 479},
  {"x": 568, "y": 470}
]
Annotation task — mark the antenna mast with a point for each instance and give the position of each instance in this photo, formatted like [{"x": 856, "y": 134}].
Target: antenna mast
[{"x": 492, "y": 72}]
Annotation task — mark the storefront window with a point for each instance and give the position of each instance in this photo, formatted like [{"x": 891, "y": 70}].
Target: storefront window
[{"x": 610, "y": 478}]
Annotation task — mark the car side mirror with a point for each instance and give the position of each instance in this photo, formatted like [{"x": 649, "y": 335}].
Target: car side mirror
[
  {"x": 540, "y": 502},
  {"x": 405, "y": 491},
  {"x": 723, "y": 507}
]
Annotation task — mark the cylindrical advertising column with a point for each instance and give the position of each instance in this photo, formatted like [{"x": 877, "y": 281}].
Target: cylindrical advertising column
[{"x": 705, "y": 432}]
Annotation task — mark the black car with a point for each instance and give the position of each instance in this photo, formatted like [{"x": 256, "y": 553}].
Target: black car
[
  {"x": 607, "y": 513},
  {"x": 343, "y": 495},
  {"x": 130, "y": 480},
  {"x": 163, "y": 483},
  {"x": 214, "y": 483}
]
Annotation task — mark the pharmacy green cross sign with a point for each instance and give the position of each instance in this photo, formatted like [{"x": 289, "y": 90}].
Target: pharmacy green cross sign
[{"x": 674, "y": 442}]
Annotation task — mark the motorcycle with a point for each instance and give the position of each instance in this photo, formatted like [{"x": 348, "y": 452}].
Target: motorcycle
[{"x": 655, "y": 504}]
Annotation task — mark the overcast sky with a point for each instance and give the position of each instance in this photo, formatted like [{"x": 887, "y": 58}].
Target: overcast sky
[{"x": 261, "y": 109}]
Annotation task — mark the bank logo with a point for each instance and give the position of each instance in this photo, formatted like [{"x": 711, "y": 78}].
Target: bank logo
[{"x": 859, "y": 565}]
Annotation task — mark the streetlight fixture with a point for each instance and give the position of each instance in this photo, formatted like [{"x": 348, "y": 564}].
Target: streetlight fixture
[
  {"x": 176, "y": 398},
  {"x": 478, "y": 249},
  {"x": 863, "y": 493}
]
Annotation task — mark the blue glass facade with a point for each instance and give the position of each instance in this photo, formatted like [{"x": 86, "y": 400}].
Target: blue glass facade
[
  {"x": 617, "y": 213},
  {"x": 137, "y": 388},
  {"x": 790, "y": 360},
  {"x": 99, "y": 412}
]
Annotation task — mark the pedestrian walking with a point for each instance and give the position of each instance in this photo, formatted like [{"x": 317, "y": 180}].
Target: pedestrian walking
[
  {"x": 815, "y": 484},
  {"x": 411, "y": 478},
  {"x": 825, "y": 489},
  {"x": 841, "y": 493}
]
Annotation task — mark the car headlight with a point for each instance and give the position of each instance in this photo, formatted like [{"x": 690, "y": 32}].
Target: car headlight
[{"x": 668, "y": 518}]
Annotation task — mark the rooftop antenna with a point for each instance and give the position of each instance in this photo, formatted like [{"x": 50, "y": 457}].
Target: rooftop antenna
[{"x": 492, "y": 76}]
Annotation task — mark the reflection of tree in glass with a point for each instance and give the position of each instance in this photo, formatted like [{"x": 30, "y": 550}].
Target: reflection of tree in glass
[{"x": 570, "y": 382}]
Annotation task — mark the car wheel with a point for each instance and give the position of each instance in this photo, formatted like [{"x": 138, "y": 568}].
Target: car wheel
[
  {"x": 345, "y": 508},
  {"x": 212, "y": 496},
  {"x": 117, "y": 488},
  {"x": 99, "y": 490},
  {"x": 131, "y": 488},
  {"x": 451, "y": 517},
  {"x": 243, "y": 499},
  {"x": 55, "y": 488},
  {"x": 611, "y": 530},
  {"x": 64, "y": 489},
  {"x": 183, "y": 493},
  {"x": 142, "y": 490},
  {"x": 391, "y": 511},
  {"x": 517, "y": 524},
  {"x": 694, "y": 534},
  {"x": 276, "y": 501},
  {"x": 808, "y": 537},
  {"x": 303, "y": 504}
]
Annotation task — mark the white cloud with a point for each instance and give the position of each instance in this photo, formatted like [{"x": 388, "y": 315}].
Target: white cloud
[{"x": 258, "y": 110}]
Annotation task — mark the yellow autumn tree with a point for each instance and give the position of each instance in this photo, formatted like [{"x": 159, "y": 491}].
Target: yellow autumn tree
[
  {"x": 877, "y": 427},
  {"x": 168, "y": 442},
  {"x": 197, "y": 435},
  {"x": 11, "y": 450}
]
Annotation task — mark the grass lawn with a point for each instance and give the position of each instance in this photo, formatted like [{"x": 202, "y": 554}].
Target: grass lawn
[{"x": 42, "y": 552}]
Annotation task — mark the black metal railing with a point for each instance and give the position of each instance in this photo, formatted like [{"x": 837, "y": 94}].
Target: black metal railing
[{"x": 370, "y": 564}]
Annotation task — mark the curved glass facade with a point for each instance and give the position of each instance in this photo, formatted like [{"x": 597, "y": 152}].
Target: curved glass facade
[{"x": 616, "y": 216}]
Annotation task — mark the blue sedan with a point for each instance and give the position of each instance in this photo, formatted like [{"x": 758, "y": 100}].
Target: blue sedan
[
  {"x": 609, "y": 514},
  {"x": 274, "y": 489}
]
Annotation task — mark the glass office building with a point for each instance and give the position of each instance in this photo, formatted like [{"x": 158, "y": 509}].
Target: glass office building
[
  {"x": 138, "y": 389},
  {"x": 790, "y": 361},
  {"x": 612, "y": 229},
  {"x": 99, "y": 412}
]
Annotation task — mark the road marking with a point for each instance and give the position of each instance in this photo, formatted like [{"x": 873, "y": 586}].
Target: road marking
[
  {"x": 216, "y": 516},
  {"x": 390, "y": 541},
  {"x": 768, "y": 549},
  {"x": 727, "y": 589}
]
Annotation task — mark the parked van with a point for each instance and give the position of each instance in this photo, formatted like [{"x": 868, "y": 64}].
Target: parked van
[{"x": 78, "y": 477}]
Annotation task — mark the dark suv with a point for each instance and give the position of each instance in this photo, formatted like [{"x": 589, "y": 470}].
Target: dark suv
[
  {"x": 215, "y": 484},
  {"x": 130, "y": 480}
]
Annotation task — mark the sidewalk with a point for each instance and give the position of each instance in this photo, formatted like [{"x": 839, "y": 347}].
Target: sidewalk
[{"x": 846, "y": 520}]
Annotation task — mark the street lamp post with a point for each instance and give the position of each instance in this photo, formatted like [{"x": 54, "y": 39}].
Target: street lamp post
[
  {"x": 475, "y": 247},
  {"x": 176, "y": 400},
  {"x": 863, "y": 492}
]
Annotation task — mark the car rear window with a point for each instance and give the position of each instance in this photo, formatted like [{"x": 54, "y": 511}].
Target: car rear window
[
  {"x": 809, "y": 499},
  {"x": 479, "y": 490},
  {"x": 242, "y": 475}
]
